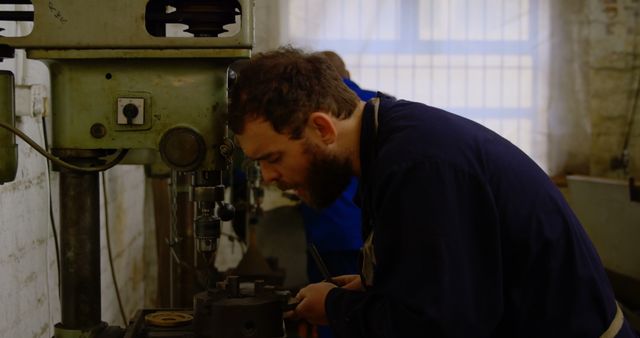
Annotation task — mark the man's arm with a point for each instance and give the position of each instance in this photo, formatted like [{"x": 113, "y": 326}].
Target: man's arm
[
  {"x": 438, "y": 264},
  {"x": 311, "y": 298}
]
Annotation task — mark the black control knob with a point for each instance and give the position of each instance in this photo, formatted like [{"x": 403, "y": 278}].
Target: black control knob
[
  {"x": 225, "y": 211},
  {"x": 130, "y": 111}
]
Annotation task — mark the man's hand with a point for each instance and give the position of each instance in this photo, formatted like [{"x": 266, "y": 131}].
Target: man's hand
[
  {"x": 311, "y": 306},
  {"x": 349, "y": 282}
]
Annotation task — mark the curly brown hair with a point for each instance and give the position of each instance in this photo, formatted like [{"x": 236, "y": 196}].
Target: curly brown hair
[{"x": 284, "y": 87}]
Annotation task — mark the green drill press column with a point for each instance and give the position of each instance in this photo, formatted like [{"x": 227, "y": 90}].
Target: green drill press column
[{"x": 8, "y": 147}]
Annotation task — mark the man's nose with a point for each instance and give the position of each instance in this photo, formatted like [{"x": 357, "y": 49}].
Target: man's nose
[{"x": 269, "y": 174}]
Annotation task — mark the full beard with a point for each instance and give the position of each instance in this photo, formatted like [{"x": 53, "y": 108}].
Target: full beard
[{"x": 328, "y": 176}]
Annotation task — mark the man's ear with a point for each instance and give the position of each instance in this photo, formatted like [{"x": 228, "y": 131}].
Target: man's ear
[{"x": 321, "y": 124}]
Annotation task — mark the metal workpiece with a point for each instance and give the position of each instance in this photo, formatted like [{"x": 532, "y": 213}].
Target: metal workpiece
[
  {"x": 240, "y": 311},
  {"x": 133, "y": 24},
  {"x": 79, "y": 250},
  {"x": 8, "y": 146},
  {"x": 230, "y": 310}
]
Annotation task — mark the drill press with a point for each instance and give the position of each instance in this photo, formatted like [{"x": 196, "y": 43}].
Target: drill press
[{"x": 124, "y": 90}]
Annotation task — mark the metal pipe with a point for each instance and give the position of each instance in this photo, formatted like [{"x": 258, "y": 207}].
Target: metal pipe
[
  {"x": 184, "y": 286},
  {"x": 80, "y": 250}
]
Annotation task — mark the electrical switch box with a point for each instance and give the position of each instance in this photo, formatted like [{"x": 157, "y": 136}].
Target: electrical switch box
[{"x": 130, "y": 111}]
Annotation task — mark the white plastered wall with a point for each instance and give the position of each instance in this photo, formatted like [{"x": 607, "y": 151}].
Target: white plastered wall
[{"x": 29, "y": 298}]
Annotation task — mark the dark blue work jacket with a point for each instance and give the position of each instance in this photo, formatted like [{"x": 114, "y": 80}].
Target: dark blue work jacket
[{"x": 470, "y": 238}]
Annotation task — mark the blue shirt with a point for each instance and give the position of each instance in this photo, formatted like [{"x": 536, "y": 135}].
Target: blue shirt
[
  {"x": 337, "y": 227},
  {"x": 363, "y": 94}
]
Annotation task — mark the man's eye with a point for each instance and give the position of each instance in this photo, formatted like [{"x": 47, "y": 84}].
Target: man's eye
[{"x": 273, "y": 160}]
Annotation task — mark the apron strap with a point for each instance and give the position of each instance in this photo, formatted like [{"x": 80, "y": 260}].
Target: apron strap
[{"x": 616, "y": 324}]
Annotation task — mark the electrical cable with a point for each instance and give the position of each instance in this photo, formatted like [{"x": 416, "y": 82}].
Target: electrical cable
[
  {"x": 624, "y": 155},
  {"x": 45, "y": 142},
  {"x": 43, "y": 152},
  {"x": 627, "y": 134},
  {"x": 173, "y": 237},
  {"x": 106, "y": 227},
  {"x": 51, "y": 216}
]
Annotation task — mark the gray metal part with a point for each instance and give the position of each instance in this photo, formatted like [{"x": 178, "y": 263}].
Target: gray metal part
[{"x": 80, "y": 250}]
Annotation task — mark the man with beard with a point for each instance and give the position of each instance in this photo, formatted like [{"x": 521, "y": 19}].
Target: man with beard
[
  {"x": 336, "y": 231},
  {"x": 465, "y": 235}
]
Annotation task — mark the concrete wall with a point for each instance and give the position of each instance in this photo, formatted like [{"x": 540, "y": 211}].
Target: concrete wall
[
  {"x": 594, "y": 86},
  {"x": 614, "y": 29},
  {"x": 126, "y": 205}
]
